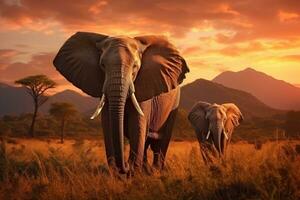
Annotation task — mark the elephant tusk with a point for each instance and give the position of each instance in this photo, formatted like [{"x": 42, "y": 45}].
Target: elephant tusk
[
  {"x": 208, "y": 134},
  {"x": 224, "y": 131},
  {"x": 226, "y": 136},
  {"x": 136, "y": 104},
  {"x": 99, "y": 107}
]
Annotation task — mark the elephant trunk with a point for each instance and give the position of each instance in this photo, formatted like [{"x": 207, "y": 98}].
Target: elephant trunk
[
  {"x": 217, "y": 137},
  {"x": 117, "y": 90}
]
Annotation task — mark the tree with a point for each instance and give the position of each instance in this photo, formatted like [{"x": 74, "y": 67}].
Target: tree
[
  {"x": 62, "y": 111},
  {"x": 36, "y": 86}
]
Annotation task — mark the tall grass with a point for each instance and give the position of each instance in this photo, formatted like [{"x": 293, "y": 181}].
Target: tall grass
[{"x": 271, "y": 172}]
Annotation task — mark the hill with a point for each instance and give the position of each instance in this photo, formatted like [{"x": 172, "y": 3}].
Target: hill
[
  {"x": 15, "y": 100},
  {"x": 204, "y": 90},
  {"x": 82, "y": 103},
  {"x": 275, "y": 93}
]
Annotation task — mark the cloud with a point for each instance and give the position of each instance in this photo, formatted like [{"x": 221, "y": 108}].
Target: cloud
[
  {"x": 38, "y": 64},
  {"x": 293, "y": 58},
  {"x": 235, "y": 50},
  {"x": 229, "y": 32},
  {"x": 193, "y": 50},
  {"x": 27, "y": 12},
  {"x": 248, "y": 20},
  {"x": 265, "y": 19},
  {"x": 7, "y": 55}
]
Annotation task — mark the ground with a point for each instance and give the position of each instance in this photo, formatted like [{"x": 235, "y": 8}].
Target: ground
[{"x": 46, "y": 169}]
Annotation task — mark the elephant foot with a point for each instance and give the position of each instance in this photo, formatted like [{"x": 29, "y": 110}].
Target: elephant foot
[
  {"x": 157, "y": 167},
  {"x": 147, "y": 169},
  {"x": 114, "y": 172}
]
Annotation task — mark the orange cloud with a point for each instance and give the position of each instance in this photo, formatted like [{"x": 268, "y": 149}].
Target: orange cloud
[
  {"x": 236, "y": 50},
  {"x": 191, "y": 50},
  {"x": 247, "y": 20},
  {"x": 287, "y": 16},
  {"x": 295, "y": 58},
  {"x": 38, "y": 64},
  {"x": 213, "y": 35},
  {"x": 6, "y": 56}
]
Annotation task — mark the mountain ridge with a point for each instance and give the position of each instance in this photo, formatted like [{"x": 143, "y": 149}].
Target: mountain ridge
[
  {"x": 10, "y": 100},
  {"x": 208, "y": 91},
  {"x": 273, "y": 92}
]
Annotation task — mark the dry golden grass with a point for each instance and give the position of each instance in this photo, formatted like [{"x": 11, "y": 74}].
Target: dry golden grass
[{"x": 32, "y": 169}]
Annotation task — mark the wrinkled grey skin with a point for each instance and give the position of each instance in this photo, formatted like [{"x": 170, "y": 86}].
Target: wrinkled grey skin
[
  {"x": 120, "y": 61},
  {"x": 139, "y": 80},
  {"x": 138, "y": 130},
  {"x": 214, "y": 125},
  {"x": 121, "y": 66}
]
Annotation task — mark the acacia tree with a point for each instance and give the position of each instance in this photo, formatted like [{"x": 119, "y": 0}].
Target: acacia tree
[
  {"x": 62, "y": 111},
  {"x": 36, "y": 86}
]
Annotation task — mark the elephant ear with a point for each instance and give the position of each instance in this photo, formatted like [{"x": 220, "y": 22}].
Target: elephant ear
[
  {"x": 197, "y": 118},
  {"x": 234, "y": 115},
  {"x": 78, "y": 61},
  {"x": 162, "y": 68}
]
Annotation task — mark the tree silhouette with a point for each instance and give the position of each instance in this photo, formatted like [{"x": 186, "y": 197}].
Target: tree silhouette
[
  {"x": 62, "y": 111},
  {"x": 36, "y": 86}
]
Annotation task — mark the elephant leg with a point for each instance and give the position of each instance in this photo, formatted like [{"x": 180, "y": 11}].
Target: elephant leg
[
  {"x": 204, "y": 146},
  {"x": 146, "y": 166},
  {"x": 155, "y": 147},
  {"x": 147, "y": 144},
  {"x": 160, "y": 147},
  {"x": 107, "y": 138},
  {"x": 210, "y": 152},
  {"x": 206, "y": 153},
  {"x": 207, "y": 149},
  {"x": 137, "y": 127}
]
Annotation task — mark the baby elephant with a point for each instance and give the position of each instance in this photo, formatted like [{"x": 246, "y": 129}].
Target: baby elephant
[{"x": 214, "y": 125}]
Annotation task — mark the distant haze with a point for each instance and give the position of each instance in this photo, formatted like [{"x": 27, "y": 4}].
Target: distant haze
[{"x": 257, "y": 94}]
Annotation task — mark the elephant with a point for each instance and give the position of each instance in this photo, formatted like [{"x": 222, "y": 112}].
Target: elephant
[
  {"x": 137, "y": 80},
  {"x": 214, "y": 125}
]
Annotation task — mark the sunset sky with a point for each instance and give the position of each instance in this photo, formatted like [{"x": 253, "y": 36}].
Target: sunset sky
[{"x": 213, "y": 36}]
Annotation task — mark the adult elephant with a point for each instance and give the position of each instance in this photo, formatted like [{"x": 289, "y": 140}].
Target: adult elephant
[
  {"x": 214, "y": 125},
  {"x": 147, "y": 70}
]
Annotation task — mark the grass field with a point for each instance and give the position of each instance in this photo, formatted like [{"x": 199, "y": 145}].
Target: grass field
[{"x": 35, "y": 169}]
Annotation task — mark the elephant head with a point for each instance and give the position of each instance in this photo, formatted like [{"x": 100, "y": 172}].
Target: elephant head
[
  {"x": 217, "y": 122},
  {"x": 117, "y": 69}
]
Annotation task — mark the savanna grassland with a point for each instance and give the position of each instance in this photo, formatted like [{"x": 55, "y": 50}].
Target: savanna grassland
[{"x": 46, "y": 169}]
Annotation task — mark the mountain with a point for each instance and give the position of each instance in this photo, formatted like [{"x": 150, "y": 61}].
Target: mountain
[
  {"x": 297, "y": 85},
  {"x": 15, "y": 100},
  {"x": 275, "y": 93},
  {"x": 82, "y": 103},
  {"x": 208, "y": 91}
]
